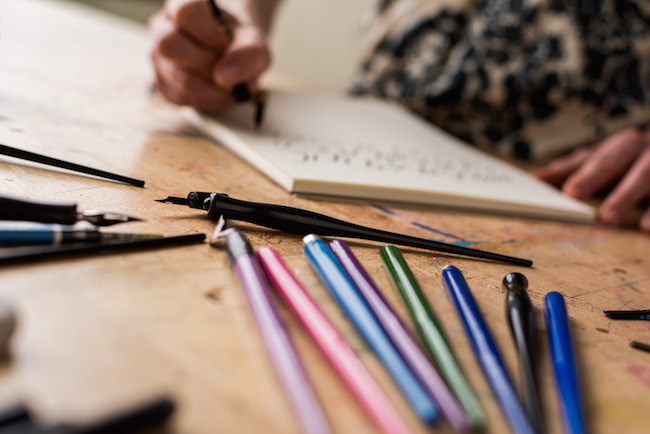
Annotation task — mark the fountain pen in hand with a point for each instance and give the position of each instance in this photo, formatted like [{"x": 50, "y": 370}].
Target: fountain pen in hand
[
  {"x": 241, "y": 92},
  {"x": 521, "y": 319}
]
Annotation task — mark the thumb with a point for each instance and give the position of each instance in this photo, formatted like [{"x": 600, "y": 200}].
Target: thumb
[{"x": 244, "y": 59}]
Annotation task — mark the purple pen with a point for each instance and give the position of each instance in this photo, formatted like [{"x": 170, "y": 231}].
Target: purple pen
[
  {"x": 274, "y": 334},
  {"x": 402, "y": 339}
]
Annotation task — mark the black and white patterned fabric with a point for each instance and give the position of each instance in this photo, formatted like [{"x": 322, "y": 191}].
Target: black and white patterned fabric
[{"x": 531, "y": 78}]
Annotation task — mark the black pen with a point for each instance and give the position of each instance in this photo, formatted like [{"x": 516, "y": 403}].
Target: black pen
[
  {"x": 241, "y": 92},
  {"x": 17, "y": 420},
  {"x": 43, "y": 159},
  {"x": 137, "y": 419},
  {"x": 521, "y": 319},
  {"x": 639, "y": 346},
  {"x": 62, "y": 213},
  {"x": 628, "y": 314},
  {"x": 31, "y": 253},
  {"x": 303, "y": 222}
]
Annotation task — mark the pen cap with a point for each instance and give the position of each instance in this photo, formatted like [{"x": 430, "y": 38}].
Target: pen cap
[
  {"x": 517, "y": 300},
  {"x": 237, "y": 245},
  {"x": 24, "y": 210},
  {"x": 309, "y": 238},
  {"x": 515, "y": 282}
]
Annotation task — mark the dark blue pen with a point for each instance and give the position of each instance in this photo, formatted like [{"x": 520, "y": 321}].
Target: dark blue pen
[
  {"x": 33, "y": 233},
  {"x": 566, "y": 376},
  {"x": 341, "y": 287},
  {"x": 485, "y": 349}
]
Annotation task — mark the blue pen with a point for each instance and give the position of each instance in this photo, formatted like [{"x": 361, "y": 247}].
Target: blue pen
[
  {"x": 341, "y": 287},
  {"x": 485, "y": 349},
  {"x": 32, "y": 233},
  {"x": 566, "y": 377}
]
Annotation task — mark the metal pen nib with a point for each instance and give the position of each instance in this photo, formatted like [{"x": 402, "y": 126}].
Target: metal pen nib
[
  {"x": 99, "y": 218},
  {"x": 175, "y": 200}
]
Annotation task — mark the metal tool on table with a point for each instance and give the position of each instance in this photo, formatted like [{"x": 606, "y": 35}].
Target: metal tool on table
[{"x": 62, "y": 213}]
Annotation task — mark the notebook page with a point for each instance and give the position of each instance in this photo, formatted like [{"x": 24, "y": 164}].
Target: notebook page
[{"x": 339, "y": 146}]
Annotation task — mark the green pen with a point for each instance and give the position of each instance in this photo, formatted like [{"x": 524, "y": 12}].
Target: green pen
[{"x": 431, "y": 332}]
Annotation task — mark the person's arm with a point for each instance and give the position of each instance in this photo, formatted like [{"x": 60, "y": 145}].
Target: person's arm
[
  {"x": 196, "y": 62},
  {"x": 622, "y": 160}
]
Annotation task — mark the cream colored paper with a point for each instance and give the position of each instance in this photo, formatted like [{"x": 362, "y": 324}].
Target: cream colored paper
[{"x": 365, "y": 148}]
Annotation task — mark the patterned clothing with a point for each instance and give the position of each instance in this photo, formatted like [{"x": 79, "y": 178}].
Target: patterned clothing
[{"x": 532, "y": 78}]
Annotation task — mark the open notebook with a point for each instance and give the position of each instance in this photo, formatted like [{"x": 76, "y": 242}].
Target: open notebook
[{"x": 365, "y": 148}]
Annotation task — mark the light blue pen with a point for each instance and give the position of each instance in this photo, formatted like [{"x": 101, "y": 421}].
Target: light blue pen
[
  {"x": 566, "y": 376},
  {"x": 485, "y": 349},
  {"x": 341, "y": 287}
]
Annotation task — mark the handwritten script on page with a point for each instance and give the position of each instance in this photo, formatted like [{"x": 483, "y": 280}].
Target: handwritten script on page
[{"x": 365, "y": 148}]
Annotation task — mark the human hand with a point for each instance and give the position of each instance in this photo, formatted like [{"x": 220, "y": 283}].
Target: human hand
[
  {"x": 622, "y": 160},
  {"x": 196, "y": 62}
]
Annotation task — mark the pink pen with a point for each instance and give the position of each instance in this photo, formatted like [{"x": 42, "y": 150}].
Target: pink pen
[{"x": 337, "y": 351}]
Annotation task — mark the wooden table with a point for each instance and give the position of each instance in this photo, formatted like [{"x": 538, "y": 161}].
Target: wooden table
[{"x": 100, "y": 332}]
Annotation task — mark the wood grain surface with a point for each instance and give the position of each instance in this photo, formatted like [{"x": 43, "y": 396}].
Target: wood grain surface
[{"x": 97, "y": 333}]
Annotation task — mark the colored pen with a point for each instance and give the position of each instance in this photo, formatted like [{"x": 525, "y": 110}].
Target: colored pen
[
  {"x": 402, "y": 339},
  {"x": 431, "y": 332},
  {"x": 521, "y": 319},
  {"x": 28, "y": 233},
  {"x": 274, "y": 334},
  {"x": 336, "y": 350},
  {"x": 302, "y": 222},
  {"x": 485, "y": 349},
  {"x": 342, "y": 289},
  {"x": 566, "y": 375}
]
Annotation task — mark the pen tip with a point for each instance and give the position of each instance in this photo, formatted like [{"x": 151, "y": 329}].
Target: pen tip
[
  {"x": 260, "y": 104},
  {"x": 174, "y": 200}
]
